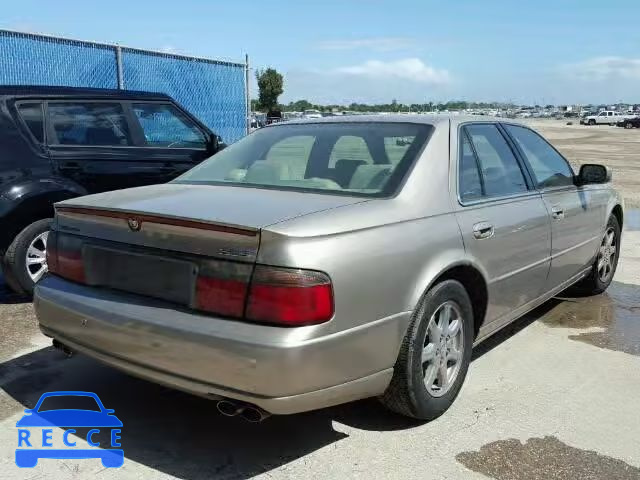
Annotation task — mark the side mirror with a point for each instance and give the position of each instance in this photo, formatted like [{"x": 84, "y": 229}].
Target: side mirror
[
  {"x": 591, "y": 173},
  {"x": 215, "y": 144},
  {"x": 220, "y": 142}
]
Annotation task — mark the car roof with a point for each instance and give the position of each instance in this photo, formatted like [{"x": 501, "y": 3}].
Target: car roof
[
  {"x": 428, "y": 119},
  {"x": 61, "y": 91}
]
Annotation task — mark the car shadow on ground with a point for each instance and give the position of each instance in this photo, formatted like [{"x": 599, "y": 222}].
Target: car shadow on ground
[
  {"x": 7, "y": 296},
  {"x": 183, "y": 435}
]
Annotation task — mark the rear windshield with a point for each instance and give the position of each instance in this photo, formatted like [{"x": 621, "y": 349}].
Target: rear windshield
[{"x": 367, "y": 159}]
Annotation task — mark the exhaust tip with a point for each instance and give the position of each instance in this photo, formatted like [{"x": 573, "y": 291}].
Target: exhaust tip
[
  {"x": 229, "y": 409},
  {"x": 62, "y": 347},
  {"x": 254, "y": 415}
]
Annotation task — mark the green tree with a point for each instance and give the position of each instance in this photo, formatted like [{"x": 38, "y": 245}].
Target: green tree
[{"x": 270, "y": 87}]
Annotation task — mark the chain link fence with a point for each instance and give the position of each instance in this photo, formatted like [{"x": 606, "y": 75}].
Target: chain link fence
[{"x": 214, "y": 91}]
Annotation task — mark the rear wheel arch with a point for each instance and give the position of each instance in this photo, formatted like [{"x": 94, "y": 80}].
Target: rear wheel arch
[
  {"x": 476, "y": 286},
  {"x": 472, "y": 279}
]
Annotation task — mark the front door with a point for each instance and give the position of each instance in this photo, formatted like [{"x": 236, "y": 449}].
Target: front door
[
  {"x": 169, "y": 137},
  {"x": 577, "y": 214},
  {"x": 504, "y": 223},
  {"x": 102, "y": 146}
]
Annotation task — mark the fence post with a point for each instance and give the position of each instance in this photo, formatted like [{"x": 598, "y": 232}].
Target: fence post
[
  {"x": 119, "y": 73},
  {"x": 246, "y": 90}
]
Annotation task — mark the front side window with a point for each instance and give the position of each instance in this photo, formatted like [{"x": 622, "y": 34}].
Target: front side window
[
  {"x": 88, "y": 124},
  {"x": 32, "y": 116},
  {"x": 163, "y": 125},
  {"x": 348, "y": 158},
  {"x": 550, "y": 169},
  {"x": 499, "y": 169}
]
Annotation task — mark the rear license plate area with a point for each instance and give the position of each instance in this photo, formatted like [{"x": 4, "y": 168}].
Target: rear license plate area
[{"x": 150, "y": 275}]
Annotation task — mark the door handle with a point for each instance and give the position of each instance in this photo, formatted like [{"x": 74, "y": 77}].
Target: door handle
[
  {"x": 483, "y": 230},
  {"x": 70, "y": 167},
  {"x": 557, "y": 213}
]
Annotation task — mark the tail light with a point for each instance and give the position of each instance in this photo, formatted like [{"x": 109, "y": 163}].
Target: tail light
[
  {"x": 221, "y": 287},
  {"x": 281, "y": 296},
  {"x": 64, "y": 257},
  {"x": 289, "y": 297},
  {"x": 264, "y": 294}
]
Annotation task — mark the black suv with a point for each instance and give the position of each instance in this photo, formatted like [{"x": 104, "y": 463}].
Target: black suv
[{"x": 61, "y": 142}]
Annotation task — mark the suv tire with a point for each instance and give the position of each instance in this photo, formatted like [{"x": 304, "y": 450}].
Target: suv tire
[
  {"x": 413, "y": 390},
  {"x": 592, "y": 122},
  {"x": 21, "y": 277}
]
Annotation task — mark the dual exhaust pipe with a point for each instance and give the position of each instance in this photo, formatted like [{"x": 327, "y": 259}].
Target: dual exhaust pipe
[
  {"x": 250, "y": 413},
  {"x": 227, "y": 407}
]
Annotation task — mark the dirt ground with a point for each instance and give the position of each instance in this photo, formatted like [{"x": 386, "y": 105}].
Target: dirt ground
[{"x": 612, "y": 146}]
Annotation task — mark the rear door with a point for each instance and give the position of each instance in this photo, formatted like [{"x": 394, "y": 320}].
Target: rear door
[
  {"x": 92, "y": 143},
  {"x": 577, "y": 213},
  {"x": 169, "y": 136},
  {"x": 504, "y": 222}
]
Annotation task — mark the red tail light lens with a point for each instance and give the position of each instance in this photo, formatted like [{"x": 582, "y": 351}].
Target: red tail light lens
[
  {"x": 221, "y": 287},
  {"x": 289, "y": 297},
  {"x": 64, "y": 257}
]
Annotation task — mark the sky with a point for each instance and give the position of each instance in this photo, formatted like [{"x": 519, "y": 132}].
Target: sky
[{"x": 374, "y": 51}]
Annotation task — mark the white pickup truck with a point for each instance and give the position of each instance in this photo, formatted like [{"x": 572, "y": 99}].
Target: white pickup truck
[{"x": 607, "y": 117}]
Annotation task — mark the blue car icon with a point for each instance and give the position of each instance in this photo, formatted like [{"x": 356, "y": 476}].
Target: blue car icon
[{"x": 68, "y": 418}]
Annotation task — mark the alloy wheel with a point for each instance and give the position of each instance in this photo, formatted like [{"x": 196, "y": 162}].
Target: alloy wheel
[
  {"x": 443, "y": 349},
  {"x": 36, "y": 260},
  {"x": 607, "y": 255}
]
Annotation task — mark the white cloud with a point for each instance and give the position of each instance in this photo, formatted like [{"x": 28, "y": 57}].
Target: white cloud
[
  {"x": 604, "y": 68},
  {"x": 407, "y": 80},
  {"x": 168, "y": 49},
  {"x": 382, "y": 44},
  {"x": 411, "y": 69}
]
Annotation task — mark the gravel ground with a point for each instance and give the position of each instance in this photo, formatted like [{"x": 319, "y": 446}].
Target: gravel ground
[
  {"x": 615, "y": 147},
  {"x": 553, "y": 396}
]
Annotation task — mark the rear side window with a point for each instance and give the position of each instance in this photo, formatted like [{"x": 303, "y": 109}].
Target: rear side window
[
  {"x": 88, "y": 124},
  {"x": 470, "y": 184},
  {"x": 32, "y": 116},
  {"x": 163, "y": 125},
  {"x": 499, "y": 169},
  {"x": 549, "y": 168}
]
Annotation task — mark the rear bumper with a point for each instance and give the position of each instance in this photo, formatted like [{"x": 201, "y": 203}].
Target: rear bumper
[{"x": 282, "y": 370}]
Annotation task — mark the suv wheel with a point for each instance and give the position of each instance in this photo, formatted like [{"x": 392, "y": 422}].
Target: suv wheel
[
  {"x": 435, "y": 354},
  {"x": 592, "y": 122},
  {"x": 25, "y": 260},
  {"x": 628, "y": 125}
]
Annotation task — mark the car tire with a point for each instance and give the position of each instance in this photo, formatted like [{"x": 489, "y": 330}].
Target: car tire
[
  {"x": 411, "y": 391},
  {"x": 19, "y": 276},
  {"x": 592, "y": 122},
  {"x": 596, "y": 283},
  {"x": 628, "y": 125}
]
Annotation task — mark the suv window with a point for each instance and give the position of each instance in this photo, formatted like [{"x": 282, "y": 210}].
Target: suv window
[
  {"x": 93, "y": 124},
  {"x": 550, "y": 169},
  {"x": 164, "y": 125},
  {"x": 499, "y": 169},
  {"x": 31, "y": 113}
]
